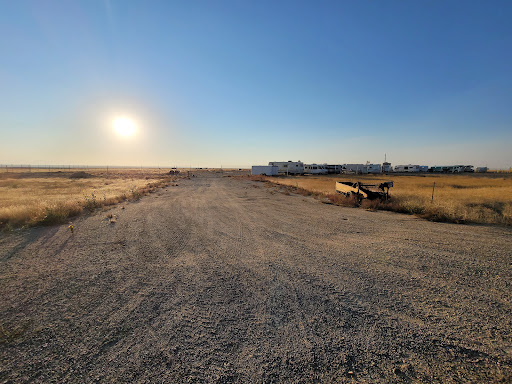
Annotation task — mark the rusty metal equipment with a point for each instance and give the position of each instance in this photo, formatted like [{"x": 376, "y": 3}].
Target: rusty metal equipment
[{"x": 364, "y": 191}]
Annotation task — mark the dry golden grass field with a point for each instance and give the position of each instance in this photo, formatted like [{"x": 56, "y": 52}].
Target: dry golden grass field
[
  {"x": 42, "y": 197},
  {"x": 469, "y": 198}
]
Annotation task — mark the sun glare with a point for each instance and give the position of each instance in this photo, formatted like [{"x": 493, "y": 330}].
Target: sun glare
[{"x": 124, "y": 126}]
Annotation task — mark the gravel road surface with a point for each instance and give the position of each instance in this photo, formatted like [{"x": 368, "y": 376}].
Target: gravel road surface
[{"x": 219, "y": 280}]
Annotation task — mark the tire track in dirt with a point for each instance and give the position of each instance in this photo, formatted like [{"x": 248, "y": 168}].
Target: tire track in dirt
[{"x": 284, "y": 300}]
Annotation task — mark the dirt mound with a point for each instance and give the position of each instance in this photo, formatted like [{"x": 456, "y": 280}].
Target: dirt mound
[{"x": 80, "y": 175}]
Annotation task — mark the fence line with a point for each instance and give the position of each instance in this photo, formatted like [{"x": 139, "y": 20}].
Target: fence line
[
  {"x": 55, "y": 168},
  {"x": 49, "y": 168}
]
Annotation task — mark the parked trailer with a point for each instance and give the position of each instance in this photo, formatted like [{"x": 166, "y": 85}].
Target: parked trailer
[
  {"x": 407, "y": 168},
  {"x": 265, "y": 170},
  {"x": 451, "y": 168},
  {"x": 364, "y": 191},
  {"x": 289, "y": 167},
  {"x": 373, "y": 168},
  {"x": 353, "y": 168},
  {"x": 436, "y": 169},
  {"x": 386, "y": 167},
  {"x": 315, "y": 169},
  {"x": 333, "y": 168},
  {"x": 456, "y": 168}
]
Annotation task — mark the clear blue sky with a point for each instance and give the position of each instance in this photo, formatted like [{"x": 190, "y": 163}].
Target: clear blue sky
[{"x": 235, "y": 83}]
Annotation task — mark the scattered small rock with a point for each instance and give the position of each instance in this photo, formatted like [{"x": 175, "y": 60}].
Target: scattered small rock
[{"x": 112, "y": 218}]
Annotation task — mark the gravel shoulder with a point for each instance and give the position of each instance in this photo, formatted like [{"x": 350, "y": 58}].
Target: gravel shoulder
[{"x": 222, "y": 280}]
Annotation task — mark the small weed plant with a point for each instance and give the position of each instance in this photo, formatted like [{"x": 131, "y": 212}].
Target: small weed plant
[{"x": 90, "y": 201}]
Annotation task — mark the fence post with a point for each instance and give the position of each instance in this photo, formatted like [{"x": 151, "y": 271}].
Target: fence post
[{"x": 433, "y": 188}]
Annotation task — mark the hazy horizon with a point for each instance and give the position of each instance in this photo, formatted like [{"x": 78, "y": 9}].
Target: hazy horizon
[{"x": 235, "y": 84}]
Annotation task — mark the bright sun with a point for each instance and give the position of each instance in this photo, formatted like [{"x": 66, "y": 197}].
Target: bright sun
[{"x": 124, "y": 126}]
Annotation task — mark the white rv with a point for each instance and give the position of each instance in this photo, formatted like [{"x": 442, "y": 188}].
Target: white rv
[
  {"x": 407, "y": 168},
  {"x": 315, "y": 169},
  {"x": 289, "y": 167},
  {"x": 386, "y": 167},
  {"x": 265, "y": 170},
  {"x": 333, "y": 168},
  {"x": 373, "y": 168},
  {"x": 353, "y": 168}
]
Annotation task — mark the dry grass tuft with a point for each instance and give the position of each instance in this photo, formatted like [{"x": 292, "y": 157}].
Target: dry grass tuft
[{"x": 342, "y": 200}]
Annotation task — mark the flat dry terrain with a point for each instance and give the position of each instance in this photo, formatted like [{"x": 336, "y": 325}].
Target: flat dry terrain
[
  {"x": 223, "y": 280},
  {"x": 39, "y": 197},
  {"x": 476, "y": 198}
]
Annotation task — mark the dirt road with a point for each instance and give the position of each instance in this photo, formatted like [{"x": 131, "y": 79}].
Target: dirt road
[{"x": 223, "y": 280}]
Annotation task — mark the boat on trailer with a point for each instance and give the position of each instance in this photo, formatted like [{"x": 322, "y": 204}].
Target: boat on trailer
[{"x": 364, "y": 191}]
